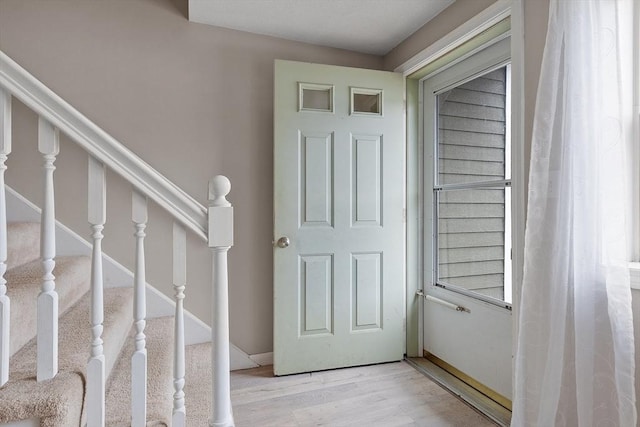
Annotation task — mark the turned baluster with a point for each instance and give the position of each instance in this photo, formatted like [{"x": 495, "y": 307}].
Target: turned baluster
[
  {"x": 47, "y": 335},
  {"x": 139, "y": 358},
  {"x": 179, "y": 283},
  {"x": 5, "y": 306},
  {"x": 96, "y": 366}
]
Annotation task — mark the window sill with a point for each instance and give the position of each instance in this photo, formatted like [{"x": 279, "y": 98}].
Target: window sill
[{"x": 634, "y": 268}]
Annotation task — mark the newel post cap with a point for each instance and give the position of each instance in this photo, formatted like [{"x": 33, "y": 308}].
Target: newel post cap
[
  {"x": 219, "y": 187},
  {"x": 220, "y": 213}
]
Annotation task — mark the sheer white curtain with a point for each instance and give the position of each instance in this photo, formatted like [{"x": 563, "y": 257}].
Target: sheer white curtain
[{"x": 575, "y": 353}]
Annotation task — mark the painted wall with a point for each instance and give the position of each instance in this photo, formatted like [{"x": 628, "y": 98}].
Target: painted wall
[
  {"x": 192, "y": 100},
  {"x": 447, "y": 20}
]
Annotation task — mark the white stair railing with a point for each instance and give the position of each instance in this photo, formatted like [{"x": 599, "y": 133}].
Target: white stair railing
[
  {"x": 97, "y": 209},
  {"x": 5, "y": 149},
  {"x": 179, "y": 414},
  {"x": 214, "y": 225},
  {"x": 47, "y": 336},
  {"x": 139, "y": 357}
]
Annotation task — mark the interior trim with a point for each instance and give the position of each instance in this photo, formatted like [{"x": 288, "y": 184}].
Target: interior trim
[{"x": 495, "y": 13}]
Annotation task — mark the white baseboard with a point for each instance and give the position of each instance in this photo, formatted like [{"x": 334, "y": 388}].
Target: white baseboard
[
  {"x": 69, "y": 243},
  {"x": 262, "y": 359}
]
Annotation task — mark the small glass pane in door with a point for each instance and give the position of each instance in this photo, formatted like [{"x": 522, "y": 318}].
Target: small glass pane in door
[{"x": 315, "y": 97}]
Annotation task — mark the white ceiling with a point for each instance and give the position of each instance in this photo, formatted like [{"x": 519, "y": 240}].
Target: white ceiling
[{"x": 368, "y": 26}]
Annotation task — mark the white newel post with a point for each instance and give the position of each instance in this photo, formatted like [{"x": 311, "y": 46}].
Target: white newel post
[
  {"x": 5, "y": 149},
  {"x": 139, "y": 357},
  {"x": 220, "y": 241},
  {"x": 179, "y": 284},
  {"x": 95, "y": 368},
  {"x": 47, "y": 336}
]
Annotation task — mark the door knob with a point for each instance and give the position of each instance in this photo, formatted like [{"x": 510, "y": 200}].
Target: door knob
[{"x": 283, "y": 242}]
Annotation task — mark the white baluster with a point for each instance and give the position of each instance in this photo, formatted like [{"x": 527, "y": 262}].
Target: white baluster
[
  {"x": 220, "y": 240},
  {"x": 95, "y": 367},
  {"x": 179, "y": 283},
  {"x": 5, "y": 306},
  {"x": 139, "y": 358},
  {"x": 47, "y": 336}
]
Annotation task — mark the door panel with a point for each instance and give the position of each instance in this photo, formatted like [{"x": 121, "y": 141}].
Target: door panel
[{"x": 339, "y": 199}]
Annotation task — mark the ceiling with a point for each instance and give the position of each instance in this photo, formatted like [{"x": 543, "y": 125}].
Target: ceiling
[{"x": 367, "y": 26}]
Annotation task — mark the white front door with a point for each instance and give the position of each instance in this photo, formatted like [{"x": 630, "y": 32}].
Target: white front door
[
  {"x": 338, "y": 217},
  {"x": 467, "y": 311}
]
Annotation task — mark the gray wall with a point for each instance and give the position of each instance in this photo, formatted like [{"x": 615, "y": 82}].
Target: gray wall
[{"x": 446, "y": 21}]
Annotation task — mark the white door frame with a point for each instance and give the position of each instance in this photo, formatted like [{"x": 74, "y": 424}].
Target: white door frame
[{"x": 415, "y": 274}]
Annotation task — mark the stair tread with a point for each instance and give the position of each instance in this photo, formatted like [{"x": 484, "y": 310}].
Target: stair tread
[
  {"x": 23, "y": 286},
  {"x": 159, "y": 344},
  {"x": 74, "y": 350},
  {"x": 23, "y": 243},
  {"x": 197, "y": 389},
  {"x": 53, "y": 401}
]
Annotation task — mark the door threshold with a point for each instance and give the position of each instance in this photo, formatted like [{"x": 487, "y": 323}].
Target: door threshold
[{"x": 477, "y": 400}]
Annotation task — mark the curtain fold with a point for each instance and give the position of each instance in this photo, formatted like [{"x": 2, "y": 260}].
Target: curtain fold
[{"x": 575, "y": 353}]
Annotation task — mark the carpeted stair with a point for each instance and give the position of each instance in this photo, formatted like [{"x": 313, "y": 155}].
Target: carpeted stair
[{"x": 59, "y": 402}]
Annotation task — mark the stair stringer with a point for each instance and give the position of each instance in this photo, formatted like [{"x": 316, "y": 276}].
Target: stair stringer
[{"x": 69, "y": 243}]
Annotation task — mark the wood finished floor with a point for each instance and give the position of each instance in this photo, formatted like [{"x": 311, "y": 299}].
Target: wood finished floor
[{"x": 392, "y": 394}]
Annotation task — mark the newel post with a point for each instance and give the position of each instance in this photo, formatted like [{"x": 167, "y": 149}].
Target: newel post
[{"x": 220, "y": 241}]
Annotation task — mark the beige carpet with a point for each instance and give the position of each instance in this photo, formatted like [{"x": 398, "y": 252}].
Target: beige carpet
[
  {"x": 60, "y": 402},
  {"x": 159, "y": 334},
  {"x": 23, "y": 287},
  {"x": 198, "y": 384},
  {"x": 23, "y": 238}
]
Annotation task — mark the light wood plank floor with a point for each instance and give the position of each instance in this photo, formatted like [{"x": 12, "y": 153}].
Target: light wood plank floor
[{"x": 392, "y": 394}]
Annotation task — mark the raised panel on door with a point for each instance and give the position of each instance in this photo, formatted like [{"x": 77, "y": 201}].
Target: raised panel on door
[
  {"x": 366, "y": 296},
  {"x": 366, "y": 189},
  {"x": 316, "y": 179},
  {"x": 316, "y": 295}
]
